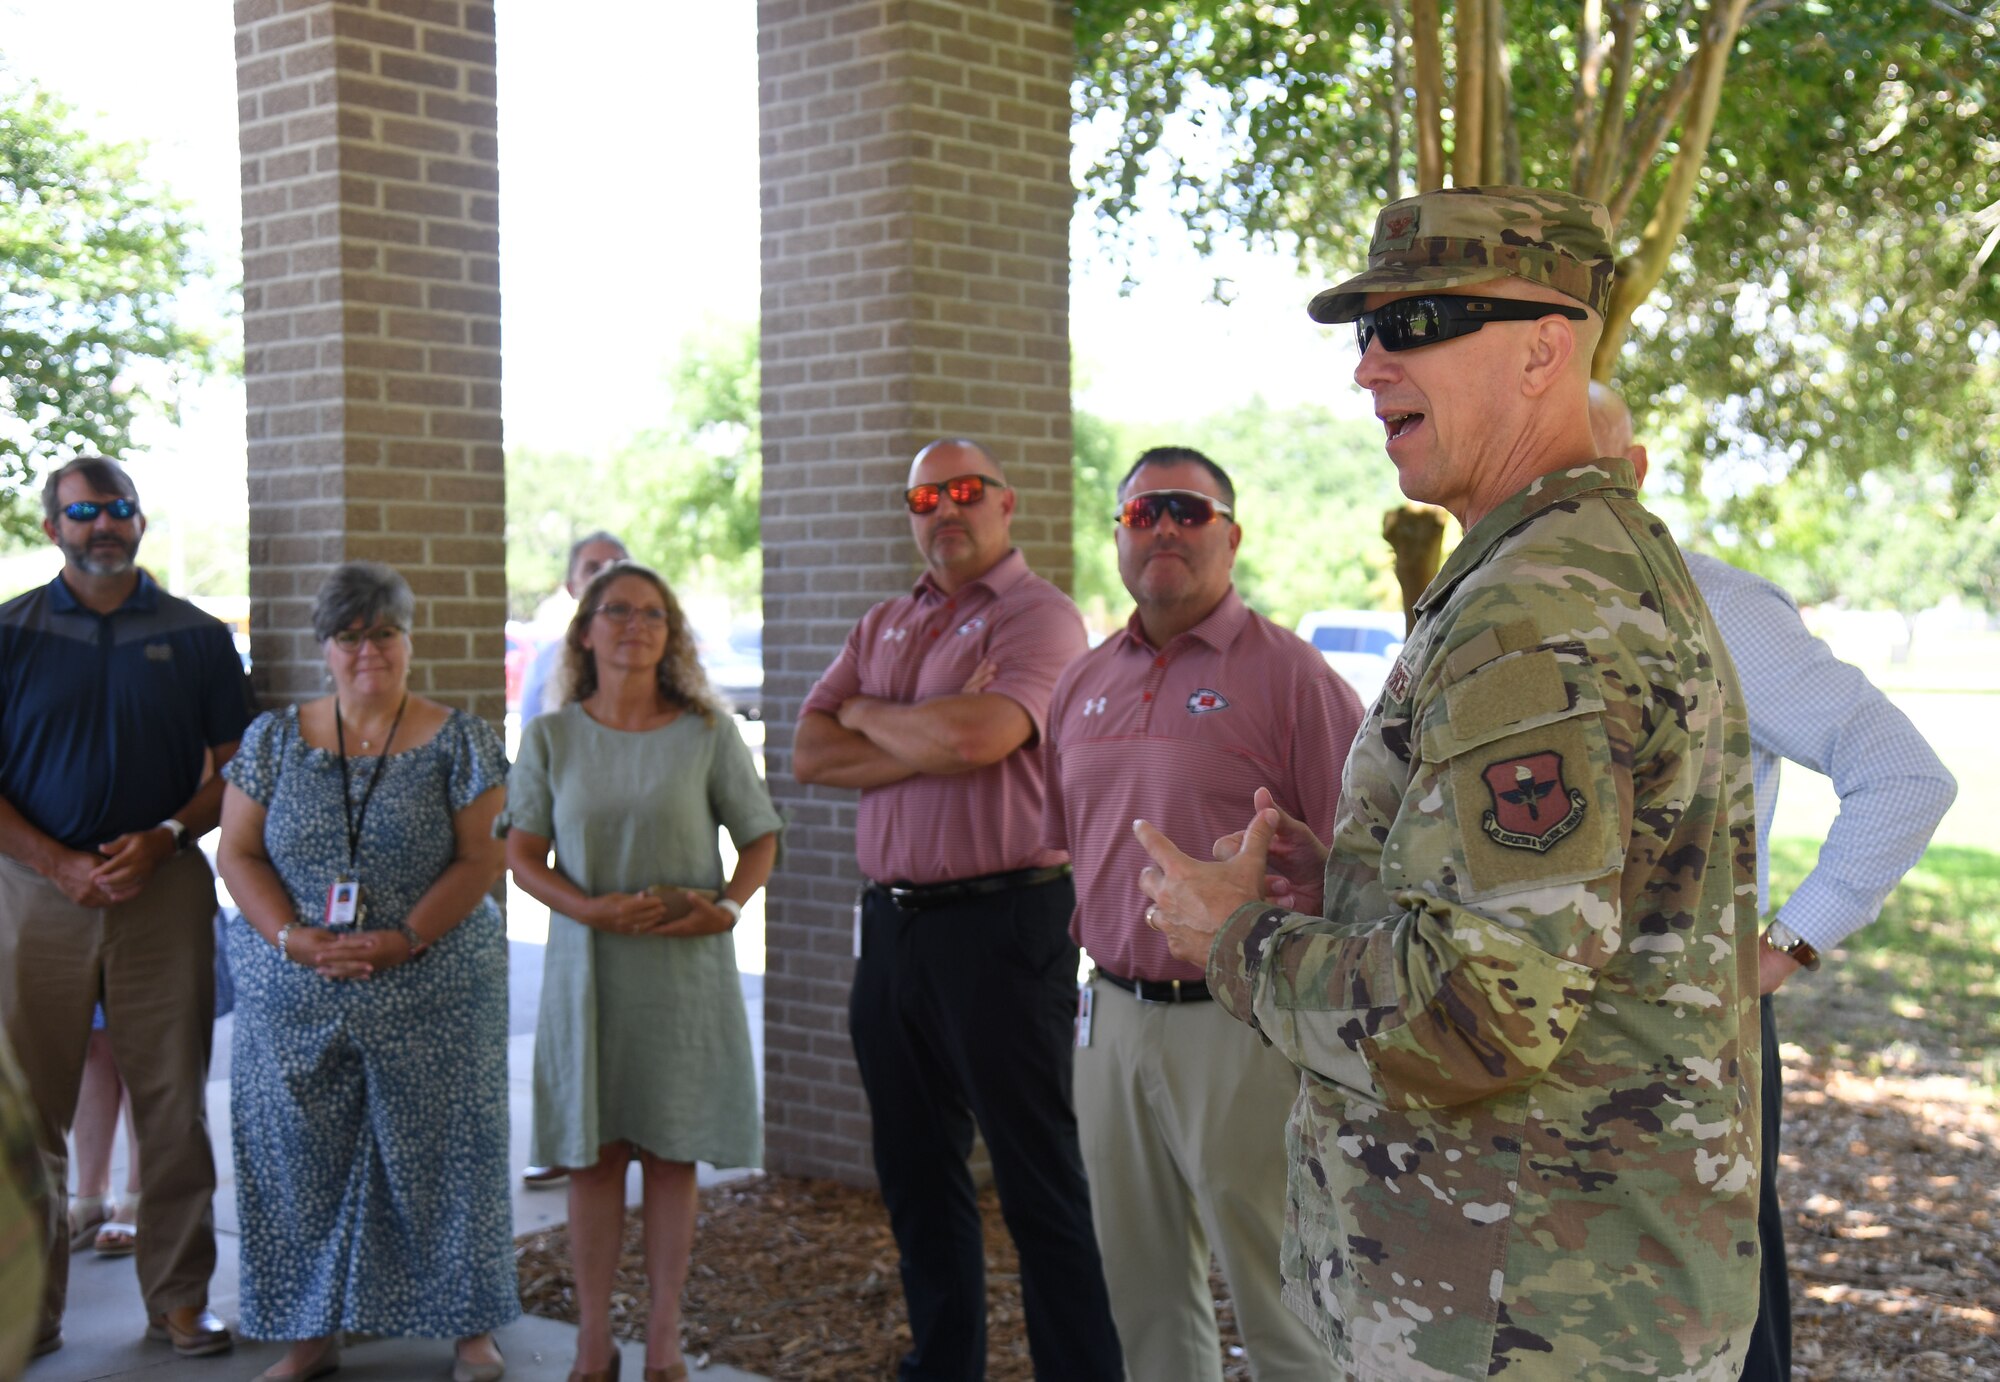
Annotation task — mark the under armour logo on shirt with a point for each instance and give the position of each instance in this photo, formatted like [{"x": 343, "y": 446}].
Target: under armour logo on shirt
[{"x": 1095, "y": 707}]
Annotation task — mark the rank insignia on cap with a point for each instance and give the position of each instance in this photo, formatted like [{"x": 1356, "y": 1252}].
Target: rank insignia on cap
[
  {"x": 1203, "y": 701},
  {"x": 1396, "y": 229},
  {"x": 1532, "y": 808}
]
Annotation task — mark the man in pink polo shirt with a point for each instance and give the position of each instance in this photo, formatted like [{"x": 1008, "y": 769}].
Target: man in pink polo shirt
[
  {"x": 965, "y": 988},
  {"x": 1180, "y": 719}
]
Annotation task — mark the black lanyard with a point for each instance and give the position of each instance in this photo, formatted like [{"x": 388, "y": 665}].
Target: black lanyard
[{"x": 355, "y": 816}]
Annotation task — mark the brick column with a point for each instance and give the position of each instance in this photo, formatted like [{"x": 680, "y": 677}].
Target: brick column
[
  {"x": 371, "y": 323},
  {"x": 916, "y": 203}
]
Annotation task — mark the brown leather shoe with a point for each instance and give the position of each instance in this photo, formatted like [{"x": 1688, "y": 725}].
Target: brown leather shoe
[{"x": 195, "y": 1331}]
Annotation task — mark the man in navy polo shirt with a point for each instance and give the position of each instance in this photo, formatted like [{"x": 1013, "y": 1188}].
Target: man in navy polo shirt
[{"x": 113, "y": 697}]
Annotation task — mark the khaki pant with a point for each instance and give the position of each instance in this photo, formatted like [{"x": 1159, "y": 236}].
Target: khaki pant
[
  {"x": 152, "y": 963},
  {"x": 1182, "y": 1111}
]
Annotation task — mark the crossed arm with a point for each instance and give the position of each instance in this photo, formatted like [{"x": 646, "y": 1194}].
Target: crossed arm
[{"x": 872, "y": 742}]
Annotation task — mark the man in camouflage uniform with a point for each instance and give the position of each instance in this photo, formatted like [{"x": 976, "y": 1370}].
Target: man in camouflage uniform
[{"x": 1526, "y": 1141}]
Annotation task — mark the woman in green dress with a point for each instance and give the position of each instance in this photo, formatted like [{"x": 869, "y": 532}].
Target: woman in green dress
[{"x": 642, "y": 1044}]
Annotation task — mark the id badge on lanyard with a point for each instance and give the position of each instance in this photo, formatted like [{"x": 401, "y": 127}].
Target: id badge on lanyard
[{"x": 346, "y": 904}]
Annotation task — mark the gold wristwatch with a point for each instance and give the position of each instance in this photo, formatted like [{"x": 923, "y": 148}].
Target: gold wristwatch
[{"x": 1786, "y": 941}]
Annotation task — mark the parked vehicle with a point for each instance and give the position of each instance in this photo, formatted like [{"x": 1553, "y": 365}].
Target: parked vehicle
[{"x": 1359, "y": 644}]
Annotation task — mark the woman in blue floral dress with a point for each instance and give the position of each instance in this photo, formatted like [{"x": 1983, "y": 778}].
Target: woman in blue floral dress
[{"x": 369, "y": 1068}]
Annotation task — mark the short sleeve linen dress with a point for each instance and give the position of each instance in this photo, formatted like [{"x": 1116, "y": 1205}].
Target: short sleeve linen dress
[
  {"x": 641, "y": 1039},
  {"x": 369, "y": 1116}
]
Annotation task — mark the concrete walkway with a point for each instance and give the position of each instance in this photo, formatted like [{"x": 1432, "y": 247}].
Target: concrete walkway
[{"x": 104, "y": 1330}]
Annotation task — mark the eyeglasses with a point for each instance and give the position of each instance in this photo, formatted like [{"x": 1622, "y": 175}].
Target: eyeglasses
[
  {"x": 622, "y": 613},
  {"x": 1187, "y": 508},
  {"x": 964, "y": 490},
  {"x": 86, "y": 510},
  {"x": 1410, "y": 323},
  {"x": 382, "y": 635}
]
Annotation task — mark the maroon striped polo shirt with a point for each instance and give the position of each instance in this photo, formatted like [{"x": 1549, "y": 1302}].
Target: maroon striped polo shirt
[
  {"x": 1183, "y": 736},
  {"x": 930, "y": 828}
]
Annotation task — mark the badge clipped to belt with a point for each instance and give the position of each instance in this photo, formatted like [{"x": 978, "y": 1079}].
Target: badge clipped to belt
[{"x": 346, "y": 899}]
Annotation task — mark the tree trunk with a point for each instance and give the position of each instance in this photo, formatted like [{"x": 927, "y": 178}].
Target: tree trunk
[
  {"x": 1415, "y": 533},
  {"x": 1640, "y": 272},
  {"x": 1468, "y": 149},
  {"x": 1399, "y": 75},
  {"x": 1426, "y": 24}
]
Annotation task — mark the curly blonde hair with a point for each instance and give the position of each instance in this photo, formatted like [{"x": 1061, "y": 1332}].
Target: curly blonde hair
[{"x": 682, "y": 681}]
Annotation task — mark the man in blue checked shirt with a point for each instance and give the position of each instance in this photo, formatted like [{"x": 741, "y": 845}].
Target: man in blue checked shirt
[{"x": 1807, "y": 705}]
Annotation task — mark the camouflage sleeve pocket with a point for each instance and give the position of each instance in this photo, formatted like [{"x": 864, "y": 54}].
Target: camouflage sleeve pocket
[{"x": 1519, "y": 751}]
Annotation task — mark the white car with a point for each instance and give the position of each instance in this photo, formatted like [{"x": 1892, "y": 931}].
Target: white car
[{"x": 1360, "y": 644}]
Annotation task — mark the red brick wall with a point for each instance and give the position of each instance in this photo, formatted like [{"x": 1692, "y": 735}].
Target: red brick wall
[
  {"x": 916, "y": 201},
  {"x": 371, "y": 304}
]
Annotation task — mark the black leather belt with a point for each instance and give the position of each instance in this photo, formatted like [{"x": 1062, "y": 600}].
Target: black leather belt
[
  {"x": 921, "y": 897},
  {"x": 1160, "y": 990}
]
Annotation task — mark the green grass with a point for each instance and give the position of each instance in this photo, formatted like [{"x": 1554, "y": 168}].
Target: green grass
[{"x": 1918, "y": 989}]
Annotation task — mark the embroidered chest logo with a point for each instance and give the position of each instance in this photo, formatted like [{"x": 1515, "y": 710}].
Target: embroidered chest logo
[
  {"x": 972, "y": 625},
  {"x": 1532, "y": 807},
  {"x": 1398, "y": 684},
  {"x": 1094, "y": 707},
  {"x": 894, "y": 635},
  {"x": 159, "y": 652},
  {"x": 1203, "y": 701}
]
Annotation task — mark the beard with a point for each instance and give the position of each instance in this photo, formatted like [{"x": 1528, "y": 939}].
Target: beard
[{"x": 102, "y": 556}]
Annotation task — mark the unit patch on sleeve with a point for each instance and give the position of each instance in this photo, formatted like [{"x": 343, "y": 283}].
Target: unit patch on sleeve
[
  {"x": 1532, "y": 807},
  {"x": 1204, "y": 700}
]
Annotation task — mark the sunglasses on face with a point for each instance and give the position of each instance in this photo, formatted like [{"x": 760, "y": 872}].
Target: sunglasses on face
[
  {"x": 86, "y": 510},
  {"x": 965, "y": 490},
  {"x": 621, "y": 613},
  {"x": 1187, "y": 508},
  {"x": 382, "y": 635},
  {"x": 1410, "y": 323}
]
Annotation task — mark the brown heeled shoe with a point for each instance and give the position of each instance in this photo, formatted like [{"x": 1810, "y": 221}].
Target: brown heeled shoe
[{"x": 609, "y": 1374}]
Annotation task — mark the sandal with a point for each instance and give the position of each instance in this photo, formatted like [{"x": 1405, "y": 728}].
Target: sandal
[
  {"x": 119, "y": 1235},
  {"x": 87, "y": 1213}
]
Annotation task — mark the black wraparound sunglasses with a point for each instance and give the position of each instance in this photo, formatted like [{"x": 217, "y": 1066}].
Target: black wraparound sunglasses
[{"x": 1410, "y": 323}]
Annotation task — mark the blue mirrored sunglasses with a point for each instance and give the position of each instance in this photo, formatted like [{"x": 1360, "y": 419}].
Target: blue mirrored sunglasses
[{"x": 86, "y": 510}]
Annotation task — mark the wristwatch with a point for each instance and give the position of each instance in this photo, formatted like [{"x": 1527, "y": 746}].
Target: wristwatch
[
  {"x": 1786, "y": 941},
  {"x": 731, "y": 906},
  {"x": 175, "y": 829}
]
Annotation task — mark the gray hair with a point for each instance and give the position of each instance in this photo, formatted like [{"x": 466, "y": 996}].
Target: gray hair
[
  {"x": 576, "y": 549},
  {"x": 363, "y": 590},
  {"x": 104, "y": 476}
]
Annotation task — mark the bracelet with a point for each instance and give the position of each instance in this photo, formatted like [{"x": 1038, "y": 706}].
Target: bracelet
[
  {"x": 731, "y": 906},
  {"x": 285, "y": 934},
  {"x": 417, "y": 943}
]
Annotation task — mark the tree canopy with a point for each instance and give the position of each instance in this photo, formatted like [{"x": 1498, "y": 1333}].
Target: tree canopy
[
  {"x": 92, "y": 255},
  {"x": 683, "y": 496},
  {"x": 1807, "y": 196}
]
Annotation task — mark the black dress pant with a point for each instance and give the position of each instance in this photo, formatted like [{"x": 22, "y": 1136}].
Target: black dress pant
[
  {"x": 965, "y": 1012},
  {"x": 1770, "y": 1356}
]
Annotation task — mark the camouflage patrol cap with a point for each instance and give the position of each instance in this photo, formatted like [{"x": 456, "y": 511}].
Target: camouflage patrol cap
[{"x": 1461, "y": 235}]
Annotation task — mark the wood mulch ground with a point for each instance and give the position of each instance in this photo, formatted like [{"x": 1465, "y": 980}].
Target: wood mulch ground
[{"x": 1892, "y": 1190}]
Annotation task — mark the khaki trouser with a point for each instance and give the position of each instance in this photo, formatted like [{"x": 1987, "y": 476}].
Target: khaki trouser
[
  {"x": 152, "y": 962},
  {"x": 1182, "y": 1111}
]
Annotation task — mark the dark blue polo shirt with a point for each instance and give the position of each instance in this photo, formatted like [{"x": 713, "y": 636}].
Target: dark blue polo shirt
[{"x": 104, "y": 717}]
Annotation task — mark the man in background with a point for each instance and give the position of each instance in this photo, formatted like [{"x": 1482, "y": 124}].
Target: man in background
[
  {"x": 1807, "y": 705},
  {"x": 114, "y": 699},
  {"x": 587, "y": 556},
  {"x": 1196, "y": 710},
  {"x": 965, "y": 983}
]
